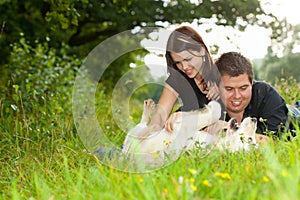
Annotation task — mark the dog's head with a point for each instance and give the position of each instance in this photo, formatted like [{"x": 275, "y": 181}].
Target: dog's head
[{"x": 242, "y": 136}]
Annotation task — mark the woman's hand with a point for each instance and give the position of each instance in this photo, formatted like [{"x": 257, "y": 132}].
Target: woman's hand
[
  {"x": 213, "y": 91},
  {"x": 170, "y": 121}
]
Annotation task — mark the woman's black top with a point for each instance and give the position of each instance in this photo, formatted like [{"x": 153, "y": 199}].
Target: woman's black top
[{"x": 191, "y": 96}]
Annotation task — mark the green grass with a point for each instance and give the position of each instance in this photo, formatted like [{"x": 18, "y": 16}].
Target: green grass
[{"x": 41, "y": 157}]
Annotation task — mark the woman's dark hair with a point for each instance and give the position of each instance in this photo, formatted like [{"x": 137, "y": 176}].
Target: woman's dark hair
[{"x": 186, "y": 38}]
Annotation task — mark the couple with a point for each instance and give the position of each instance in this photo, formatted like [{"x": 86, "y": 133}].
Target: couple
[{"x": 195, "y": 79}]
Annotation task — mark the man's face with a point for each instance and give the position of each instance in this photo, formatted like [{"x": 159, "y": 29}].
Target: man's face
[{"x": 235, "y": 93}]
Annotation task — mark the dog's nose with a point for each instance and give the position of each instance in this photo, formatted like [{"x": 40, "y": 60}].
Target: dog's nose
[{"x": 254, "y": 120}]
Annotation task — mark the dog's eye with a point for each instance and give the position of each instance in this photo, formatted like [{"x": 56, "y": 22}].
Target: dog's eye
[
  {"x": 250, "y": 140},
  {"x": 242, "y": 139}
]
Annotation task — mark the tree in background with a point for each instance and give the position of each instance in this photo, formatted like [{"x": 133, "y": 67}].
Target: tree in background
[
  {"x": 283, "y": 57},
  {"x": 83, "y": 24}
]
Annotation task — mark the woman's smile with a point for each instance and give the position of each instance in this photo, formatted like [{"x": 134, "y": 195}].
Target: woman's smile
[{"x": 188, "y": 62}]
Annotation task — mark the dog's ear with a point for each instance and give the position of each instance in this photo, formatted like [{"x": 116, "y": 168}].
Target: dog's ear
[
  {"x": 233, "y": 125},
  {"x": 252, "y": 132}
]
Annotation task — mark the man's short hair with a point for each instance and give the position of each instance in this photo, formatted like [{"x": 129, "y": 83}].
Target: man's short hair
[{"x": 235, "y": 64}]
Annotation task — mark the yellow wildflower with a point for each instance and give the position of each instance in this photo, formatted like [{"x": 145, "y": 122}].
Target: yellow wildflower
[
  {"x": 155, "y": 154},
  {"x": 141, "y": 179},
  {"x": 206, "y": 182},
  {"x": 194, "y": 188},
  {"x": 265, "y": 179},
  {"x": 167, "y": 142},
  {"x": 284, "y": 173},
  {"x": 192, "y": 171},
  {"x": 223, "y": 175},
  {"x": 165, "y": 190}
]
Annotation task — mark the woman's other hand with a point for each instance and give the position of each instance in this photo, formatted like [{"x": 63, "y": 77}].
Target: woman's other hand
[{"x": 213, "y": 91}]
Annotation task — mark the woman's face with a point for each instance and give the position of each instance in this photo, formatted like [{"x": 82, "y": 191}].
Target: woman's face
[{"x": 189, "y": 62}]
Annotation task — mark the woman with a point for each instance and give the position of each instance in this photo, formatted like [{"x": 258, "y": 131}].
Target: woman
[{"x": 192, "y": 78}]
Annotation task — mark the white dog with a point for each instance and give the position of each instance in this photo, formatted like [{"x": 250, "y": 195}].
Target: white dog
[
  {"x": 233, "y": 137},
  {"x": 186, "y": 134}
]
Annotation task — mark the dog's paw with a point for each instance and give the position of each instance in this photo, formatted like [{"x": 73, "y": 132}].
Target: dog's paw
[
  {"x": 149, "y": 105},
  {"x": 216, "y": 109},
  {"x": 149, "y": 102}
]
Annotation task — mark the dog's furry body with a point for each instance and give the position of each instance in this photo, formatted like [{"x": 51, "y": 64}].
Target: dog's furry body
[{"x": 186, "y": 133}]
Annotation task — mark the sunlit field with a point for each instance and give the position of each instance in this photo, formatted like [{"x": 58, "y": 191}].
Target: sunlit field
[
  {"x": 42, "y": 157},
  {"x": 73, "y": 78}
]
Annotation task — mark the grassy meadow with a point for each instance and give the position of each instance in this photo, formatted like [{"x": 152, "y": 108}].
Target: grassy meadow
[{"x": 42, "y": 157}]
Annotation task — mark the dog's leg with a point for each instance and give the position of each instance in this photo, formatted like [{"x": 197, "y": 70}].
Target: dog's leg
[
  {"x": 203, "y": 140},
  {"x": 185, "y": 128},
  {"x": 132, "y": 136},
  {"x": 148, "y": 108},
  {"x": 196, "y": 120},
  {"x": 213, "y": 114}
]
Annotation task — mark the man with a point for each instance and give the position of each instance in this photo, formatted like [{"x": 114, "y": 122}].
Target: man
[{"x": 243, "y": 97}]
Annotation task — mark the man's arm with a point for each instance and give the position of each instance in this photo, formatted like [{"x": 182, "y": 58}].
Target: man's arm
[{"x": 272, "y": 110}]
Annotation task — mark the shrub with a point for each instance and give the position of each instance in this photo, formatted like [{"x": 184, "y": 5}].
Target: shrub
[{"x": 40, "y": 75}]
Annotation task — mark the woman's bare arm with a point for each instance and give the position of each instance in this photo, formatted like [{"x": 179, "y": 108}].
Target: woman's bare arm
[{"x": 164, "y": 107}]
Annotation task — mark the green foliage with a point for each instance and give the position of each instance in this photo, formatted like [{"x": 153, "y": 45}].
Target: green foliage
[
  {"x": 42, "y": 158},
  {"x": 284, "y": 67},
  {"x": 39, "y": 75},
  {"x": 276, "y": 67},
  {"x": 120, "y": 66},
  {"x": 67, "y": 172},
  {"x": 63, "y": 14},
  {"x": 42, "y": 69},
  {"x": 289, "y": 88},
  {"x": 85, "y": 23}
]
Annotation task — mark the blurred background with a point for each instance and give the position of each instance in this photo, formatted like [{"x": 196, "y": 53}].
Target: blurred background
[{"x": 44, "y": 42}]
